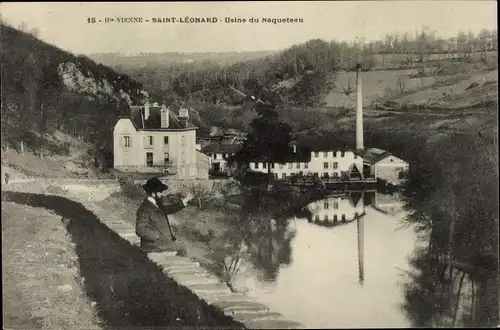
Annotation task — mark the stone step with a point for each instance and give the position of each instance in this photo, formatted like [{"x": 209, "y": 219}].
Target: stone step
[
  {"x": 242, "y": 305},
  {"x": 166, "y": 264},
  {"x": 122, "y": 229},
  {"x": 162, "y": 256},
  {"x": 257, "y": 316},
  {"x": 194, "y": 280},
  {"x": 165, "y": 254},
  {"x": 272, "y": 324},
  {"x": 187, "y": 268},
  {"x": 213, "y": 297},
  {"x": 219, "y": 288},
  {"x": 166, "y": 260},
  {"x": 133, "y": 240},
  {"x": 128, "y": 234},
  {"x": 200, "y": 272}
]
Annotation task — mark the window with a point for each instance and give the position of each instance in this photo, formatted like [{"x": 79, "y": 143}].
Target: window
[
  {"x": 326, "y": 217},
  {"x": 343, "y": 217},
  {"x": 316, "y": 217},
  {"x": 335, "y": 174},
  {"x": 281, "y": 166},
  {"x": 325, "y": 154},
  {"x": 224, "y": 155},
  {"x": 264, "y": 165},
  {"x": 256, "y": 166},
  {"x": 298, "y": 166},
  {"x": 215, "y": 156},
  {"x": 335, "y": 164},
  {"x": 325, "y": 165},
  {"x": 166, "y": 158},
  {"x": 150, "y": 140},
  {"x": 336, "y": 205},
  {"x": 127, "y": 141},
  {"x": 149, "y": 159},
  {"x": 325, "y": 205},
  {"x": 272, "y": 166},
  {"x": 283, "y": 175},
  {"x": 316, "y": 154},
  {"x": 165, "y": 140},
  {"x": 306, "y": 165},
  {"x": 290, "y": 165},
  {"x": 342, "y": 154}
]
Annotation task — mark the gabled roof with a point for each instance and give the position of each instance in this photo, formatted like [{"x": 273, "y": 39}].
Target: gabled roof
[
  {"x": 221, "y": 148},
  {"x": 154, "y": 120},
  {"x": 373, "y": 155}
]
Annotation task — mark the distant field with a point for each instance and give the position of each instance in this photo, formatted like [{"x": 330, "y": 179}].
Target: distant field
[
  {"x": 391, "y": 61},
  {"x": 479, "y": 87},
  {"x": 439, "y": 83},
  {"x": 375, "y": 85}
]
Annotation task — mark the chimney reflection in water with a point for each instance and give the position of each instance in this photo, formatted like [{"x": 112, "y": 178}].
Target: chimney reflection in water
[{"x": 361, "y": 224}]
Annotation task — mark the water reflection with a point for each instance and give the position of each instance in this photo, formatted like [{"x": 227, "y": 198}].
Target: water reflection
[
  {"x": 344, "y": 261},
  {"x": 451, "y": 288}
]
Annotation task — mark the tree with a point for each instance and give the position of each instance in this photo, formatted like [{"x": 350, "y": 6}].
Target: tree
[{"x": 268, "y": 141}]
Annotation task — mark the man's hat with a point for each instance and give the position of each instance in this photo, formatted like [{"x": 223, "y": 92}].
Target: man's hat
[{"x": 154, "y": 185}]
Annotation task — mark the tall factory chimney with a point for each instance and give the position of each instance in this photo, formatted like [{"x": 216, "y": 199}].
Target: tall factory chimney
[{"x": 359, "y": 110}]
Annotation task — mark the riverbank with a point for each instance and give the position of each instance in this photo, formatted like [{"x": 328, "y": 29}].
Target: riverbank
[
  {"x": 41, "y": 280},
  {"x": 202, "y": 222},
  {"x": 213, "y": 227}
]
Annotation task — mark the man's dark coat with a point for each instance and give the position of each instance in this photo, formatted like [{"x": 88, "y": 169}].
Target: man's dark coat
[{"x": 151, "y": 225}]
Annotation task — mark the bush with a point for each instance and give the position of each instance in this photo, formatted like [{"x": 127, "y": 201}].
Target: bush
[{"x": 130, "y": 189}]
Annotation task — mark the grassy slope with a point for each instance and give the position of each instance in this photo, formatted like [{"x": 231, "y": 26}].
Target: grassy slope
[
  {"x": 38, "y": 260},
  {"x": 450, "y": 101},
  {"x": 65, "y": 156}
]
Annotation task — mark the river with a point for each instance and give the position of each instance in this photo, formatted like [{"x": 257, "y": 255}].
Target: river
[
  {"x": 345, "y": 273},
  {"x": 354, "y": 260}
]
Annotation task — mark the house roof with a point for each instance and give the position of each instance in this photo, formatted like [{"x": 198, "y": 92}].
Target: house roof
[
  {"x": 373, "y": 155},
  {"x": 154, "y": 120},
  {"x": 221, "y": 148}
]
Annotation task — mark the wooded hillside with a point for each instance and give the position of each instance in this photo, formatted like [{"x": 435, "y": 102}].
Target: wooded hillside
[{"x": 46, "y": 88}]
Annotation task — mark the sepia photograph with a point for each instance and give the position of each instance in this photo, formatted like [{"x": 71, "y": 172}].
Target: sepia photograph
[{"x": 249, "y": 165}]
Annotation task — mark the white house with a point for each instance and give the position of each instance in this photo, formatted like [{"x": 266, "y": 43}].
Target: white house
[
  {"x": 323, "y": 163},
  {"x": 153, "y": 139},
  {"x": 383, "y": 164},
  {"x": 218, "y": 153}
]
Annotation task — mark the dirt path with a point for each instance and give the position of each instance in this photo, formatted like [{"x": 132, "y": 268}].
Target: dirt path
[
  {"x": 14, "y": 237},
  {"x": 41, "y": 288}
]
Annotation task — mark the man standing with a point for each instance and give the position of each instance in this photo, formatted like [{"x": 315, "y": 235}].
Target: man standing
[{"x": 152, "y": 224}]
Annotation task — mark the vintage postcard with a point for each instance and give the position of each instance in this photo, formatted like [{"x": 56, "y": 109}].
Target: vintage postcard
[{"x": 249, "y": 165}]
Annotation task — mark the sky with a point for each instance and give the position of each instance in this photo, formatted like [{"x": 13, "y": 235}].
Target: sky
[{"x": 65, "y": 24}]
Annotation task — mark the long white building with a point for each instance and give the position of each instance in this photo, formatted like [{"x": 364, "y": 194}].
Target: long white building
[{"x": 323, "y": 163}]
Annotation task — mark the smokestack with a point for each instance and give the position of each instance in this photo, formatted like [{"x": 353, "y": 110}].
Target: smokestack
[
  {"x": 165, "y": 117},
  {"x": 359, "y": 110},
  {"x": 146, "y": 110}
]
